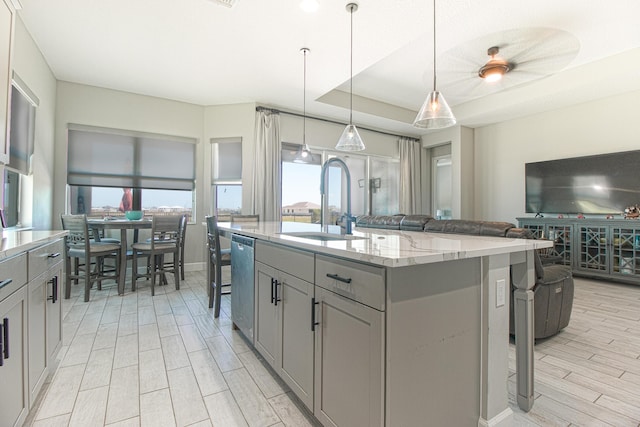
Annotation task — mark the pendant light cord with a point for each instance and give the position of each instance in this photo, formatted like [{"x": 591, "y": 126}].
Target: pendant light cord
[
  {"x": 434, "y": 45},
  {"x": 351, "y": 71},
  {"x": 304, "y": 99}
]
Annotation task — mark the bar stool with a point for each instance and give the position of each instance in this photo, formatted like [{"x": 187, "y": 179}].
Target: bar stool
[{"x": 218, "y": 258}]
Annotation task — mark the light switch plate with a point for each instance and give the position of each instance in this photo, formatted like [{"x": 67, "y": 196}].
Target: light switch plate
[{"x": 500, "y": 292}]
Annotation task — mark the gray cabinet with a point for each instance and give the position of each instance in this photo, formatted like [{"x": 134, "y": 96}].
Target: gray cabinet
[
  {"x": 349, "y": 355},
  {"x": 349, "y": 369},
  {"x": 560, "y": 231},
  {"x": 14, "y": 400},
  {"x": 7, "y": 22},
  {"x": 283, "y": 330},
  {"x": 45, "y": 312},
  {"x": 320, "y": 325}
]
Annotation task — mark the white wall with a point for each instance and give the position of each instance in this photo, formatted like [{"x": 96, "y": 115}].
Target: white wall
[
  {"x": 324, "y": 135},
  {"x": 501, "y": 150},
  {"x": 89, "y": 105},
  {"x": 30, "y": 65}
]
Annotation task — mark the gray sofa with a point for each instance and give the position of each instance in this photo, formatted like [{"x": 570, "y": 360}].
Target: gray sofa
[{"x": 553, "y": 290}]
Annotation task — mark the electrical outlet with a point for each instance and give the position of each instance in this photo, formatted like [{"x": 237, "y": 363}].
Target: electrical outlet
[{"x": 500, "y": 292}]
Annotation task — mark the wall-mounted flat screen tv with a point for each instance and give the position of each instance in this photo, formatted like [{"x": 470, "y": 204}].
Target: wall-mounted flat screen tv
[{"x": 601, "y": 184}]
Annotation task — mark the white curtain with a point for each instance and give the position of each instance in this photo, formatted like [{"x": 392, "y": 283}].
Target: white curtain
[
  {"x": 410, "y": 176},
  {"x": 266, "y": 200}
]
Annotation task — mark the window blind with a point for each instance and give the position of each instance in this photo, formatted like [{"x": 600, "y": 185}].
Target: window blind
[
  {"x": 21, "y": 134},
  {"x": 226, "y": 160},
  {"x": 117, "y": 158}
]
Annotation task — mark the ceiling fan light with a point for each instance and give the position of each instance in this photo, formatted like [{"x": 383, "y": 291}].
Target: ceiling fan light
[
  {"x": 350, "y": 140},
  {"x": 435, "y": 113}
]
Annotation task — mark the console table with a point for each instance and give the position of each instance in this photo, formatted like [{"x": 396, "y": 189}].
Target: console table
[{"x": 597, "y": 247}]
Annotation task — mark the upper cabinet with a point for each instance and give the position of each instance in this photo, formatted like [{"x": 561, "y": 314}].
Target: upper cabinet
[{"x": 7, "y": 22}]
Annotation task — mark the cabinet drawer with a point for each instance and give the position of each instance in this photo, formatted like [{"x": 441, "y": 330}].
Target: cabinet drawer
[
  {"x": 360, "y": 282},
  {"x": 14, "y": 269},
  {"x": 294, "y": 261},
  {"x": 45, "y": 257}
]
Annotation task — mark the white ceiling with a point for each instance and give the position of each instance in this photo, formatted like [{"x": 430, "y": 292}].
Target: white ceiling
[{"x": 200, "y": 52}]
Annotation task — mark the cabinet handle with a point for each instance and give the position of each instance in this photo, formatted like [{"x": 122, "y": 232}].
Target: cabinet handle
[
  {"x": 276, "y": 299},
  {"x": 54, "y": 255},
  {"x": 341, "y": 279},
  {"x": 273, "y": 285},
  {"x": 5, "y": 334},
  {"x": 54, "y": 289},
  {"x": 313, "y": 314},
  {"x": 1, "y": 346},
  {"x": 5, "y": 283}
]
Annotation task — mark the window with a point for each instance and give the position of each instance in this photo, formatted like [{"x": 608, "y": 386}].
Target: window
[
  {"x": 441, "y": 187},
  {"x": 374, "y": 186},
  {"x": 101, "y": 163},
  {"x": 21, "y": 141},
  {"x": 226, "y": 176},
  {"x": 300, "y": 186}
]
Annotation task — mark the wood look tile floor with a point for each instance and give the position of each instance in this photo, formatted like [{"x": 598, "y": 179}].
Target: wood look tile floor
[{"x": 139, "y": 360}]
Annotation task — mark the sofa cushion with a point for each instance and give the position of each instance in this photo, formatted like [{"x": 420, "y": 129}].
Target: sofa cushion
[
  {"x": 461, "y": 226},
  {"x": 389, "y": 222},
  {"x": 414, "y": 222}
]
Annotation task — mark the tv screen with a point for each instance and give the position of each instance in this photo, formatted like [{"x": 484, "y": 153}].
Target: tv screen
[{"x": 601, "y": 184}]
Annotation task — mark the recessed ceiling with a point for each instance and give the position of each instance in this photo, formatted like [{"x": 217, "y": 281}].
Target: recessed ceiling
[{"x": 198, "y": 52}]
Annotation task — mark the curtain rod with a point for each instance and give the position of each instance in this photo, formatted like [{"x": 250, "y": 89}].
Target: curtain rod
[{"x": 335, "y": 122}]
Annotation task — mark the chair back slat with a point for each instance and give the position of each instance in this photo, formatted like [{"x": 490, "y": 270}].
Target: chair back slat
[
  {"x": 213, "y": 236},
  {"x": 165, "y": 229},
  {"x": 78, "y": 229}
]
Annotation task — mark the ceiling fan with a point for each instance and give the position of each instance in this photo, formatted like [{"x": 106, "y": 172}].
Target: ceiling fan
[{"x": 516, "y": 56}]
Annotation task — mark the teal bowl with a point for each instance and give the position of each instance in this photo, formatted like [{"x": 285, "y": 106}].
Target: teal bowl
[{"x": 133, "y": 215}]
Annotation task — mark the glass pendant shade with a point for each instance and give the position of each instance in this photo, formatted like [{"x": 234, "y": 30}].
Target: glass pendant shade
[
  {"x": 303, "y": 155},
  {"x": 435, "y": 113},
  {"x": 350, "y": 140}
]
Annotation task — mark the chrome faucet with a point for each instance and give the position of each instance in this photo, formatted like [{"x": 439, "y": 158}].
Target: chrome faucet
[{"x": 347, "y": 217}]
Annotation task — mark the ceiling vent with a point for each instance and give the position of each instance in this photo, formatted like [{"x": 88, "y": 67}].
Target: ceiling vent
[{"x": 226, "y": 3}]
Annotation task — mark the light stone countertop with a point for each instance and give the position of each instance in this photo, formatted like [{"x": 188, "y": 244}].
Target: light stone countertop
[
  {"x": 15, "y": 242},
  {"x": 390, "y": 248}
]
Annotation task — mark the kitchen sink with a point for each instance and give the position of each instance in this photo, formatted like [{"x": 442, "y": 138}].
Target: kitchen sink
[{"x": 324, "y": 237}]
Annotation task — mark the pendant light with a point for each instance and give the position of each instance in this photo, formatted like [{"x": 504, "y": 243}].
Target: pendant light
[
  {"x": 435, "y": 112},
  {"x": 350, "y": 139},
  {"x": 304, "y": 153}
]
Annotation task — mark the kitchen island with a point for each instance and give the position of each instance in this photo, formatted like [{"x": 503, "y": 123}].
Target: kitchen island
[{"x": 389, "y": 327}]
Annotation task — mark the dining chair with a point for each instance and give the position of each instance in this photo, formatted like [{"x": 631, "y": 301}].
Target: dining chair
[
  {"x": 82, "y": 248},
  {"x": 218, "y": 258},
  {"x": 165, "y": 240},
  {"x": 182, "y": 236}
]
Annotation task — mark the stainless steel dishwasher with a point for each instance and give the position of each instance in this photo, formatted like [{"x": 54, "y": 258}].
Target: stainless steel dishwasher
[{"x": 242, "y": 284}]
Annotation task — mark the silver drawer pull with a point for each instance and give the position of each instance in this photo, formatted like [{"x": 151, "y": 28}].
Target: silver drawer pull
[
  {"x": 5, "y": 283},
  {"x": 341, "y": 279},
  {"x": 54, "y": 255}
]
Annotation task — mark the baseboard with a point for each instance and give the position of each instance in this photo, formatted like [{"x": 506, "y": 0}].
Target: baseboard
[{"x": 503, "y": 419}]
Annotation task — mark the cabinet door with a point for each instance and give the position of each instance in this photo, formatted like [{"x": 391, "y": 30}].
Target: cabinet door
[
  {"x": 562, "y": 236},
  {"x": 349, "y": 362},
  {"x": 625, "y": 251},
  {"x": 266, "y": 315},
  {"x": 296, "y": 364},
  {"x": 54, "y": 314},
  {"x": 7, "y": 20},
  {"x": 13, "y": 373},
  {"x": 37, "y": 335},
  {"x": 593, "y": 244}
]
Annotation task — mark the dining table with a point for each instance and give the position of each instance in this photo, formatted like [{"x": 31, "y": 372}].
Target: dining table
[{"x": 123, "y": 225}]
